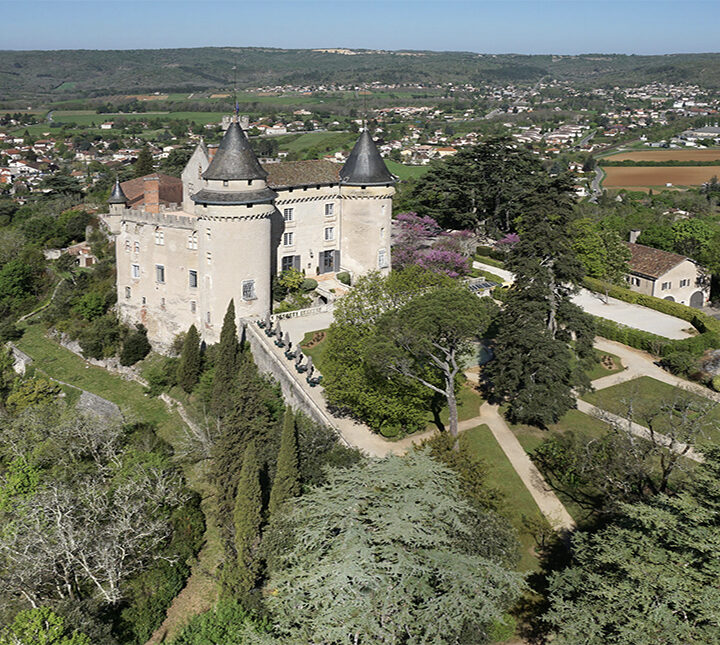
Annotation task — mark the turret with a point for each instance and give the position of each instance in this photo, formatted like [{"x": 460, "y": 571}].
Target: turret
[
  {"x": 234, "y": 208},
  {"x": 118, "y": 200},
  {"x": 366, "y": 187}
]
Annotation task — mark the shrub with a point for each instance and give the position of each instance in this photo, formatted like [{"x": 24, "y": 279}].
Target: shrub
[
  {"x": 344, "y": 277},
  {"x": 680, "y": 362},
  {"x": 715, "y": 383},
  {"x": 308, "y": 284},
  {"x": 9, "y": 331},
  {"x": 161, "y": 374},
  {"x": 135, "y": 348}
]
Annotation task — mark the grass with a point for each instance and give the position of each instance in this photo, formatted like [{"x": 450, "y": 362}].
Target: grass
[
  {"x": 318, "y": 351},
  {"x": 405, "y": 172},
  {"x": 599, "y": 370},
  {"x": 326, "y": 141},
  {"x": 484, "y": 259},
  {"x": 647, "y": 395},
  {"x": 517, "y": 504},
  {"x": 531, "y": 437}
]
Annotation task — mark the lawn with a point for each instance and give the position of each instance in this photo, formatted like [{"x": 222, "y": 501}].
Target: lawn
[
  {"x": 517, "y": 503},
  {"x": 647, "y": 394},
  {"x": 325, "y": 141},
  {"x": 600, "y": 370}
]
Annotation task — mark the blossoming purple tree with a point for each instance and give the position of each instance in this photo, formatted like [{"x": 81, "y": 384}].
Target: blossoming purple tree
[{"x": 422, "y": 242}]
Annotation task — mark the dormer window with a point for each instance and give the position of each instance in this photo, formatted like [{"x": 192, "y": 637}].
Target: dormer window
[{"x": 225, "y": 182}]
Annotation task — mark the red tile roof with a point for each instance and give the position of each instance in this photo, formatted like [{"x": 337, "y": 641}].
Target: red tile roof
[
  {"x": 650, "y": 262},
  {"x": 170, "y": 192}
]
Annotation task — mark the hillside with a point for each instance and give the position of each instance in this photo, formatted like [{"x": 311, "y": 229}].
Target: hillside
[{"x": 56, "y": 75}]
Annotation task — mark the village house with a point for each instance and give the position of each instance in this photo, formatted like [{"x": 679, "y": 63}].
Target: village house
[{"x": 666, "y": 275}]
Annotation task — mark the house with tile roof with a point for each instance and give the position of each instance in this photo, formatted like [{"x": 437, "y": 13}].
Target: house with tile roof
[
  {"x": 186, "y": 247},
  {"x": 667, "y": 275}
]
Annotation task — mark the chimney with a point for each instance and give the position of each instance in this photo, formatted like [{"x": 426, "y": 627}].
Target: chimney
[
  {"x": 211, "y": 151},
  {"x": 151, "y": 197},
  {"x": 634, "y": 235}
]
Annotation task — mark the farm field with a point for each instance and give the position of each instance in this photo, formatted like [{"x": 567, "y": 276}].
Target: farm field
[
  {"x": 712, "y": 154},
  {"x": 639, "y": 177}
]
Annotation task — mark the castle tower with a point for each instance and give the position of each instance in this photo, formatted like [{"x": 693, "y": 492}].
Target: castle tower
[
  {"x": 118, "y": 200},
  {"x": 366, "y": 190},
  {"x": 234, "y": 207}
]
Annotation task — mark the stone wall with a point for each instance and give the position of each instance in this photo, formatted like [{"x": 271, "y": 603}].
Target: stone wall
[{"x": 269, "y": 363}]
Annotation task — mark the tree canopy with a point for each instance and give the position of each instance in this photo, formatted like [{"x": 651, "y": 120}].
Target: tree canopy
[{"x": 379, "y": 556}]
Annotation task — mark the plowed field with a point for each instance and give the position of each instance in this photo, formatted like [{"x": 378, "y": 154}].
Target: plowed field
[
  {"x": 654, "y": 176},
  {"x": 667, "y": 155}
]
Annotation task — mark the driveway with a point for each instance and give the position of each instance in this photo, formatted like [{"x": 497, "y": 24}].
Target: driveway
[{"x": 616, "y": 310}]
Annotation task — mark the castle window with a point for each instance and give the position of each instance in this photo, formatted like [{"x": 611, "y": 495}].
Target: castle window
[
  {"x": 288, "y": 214},
  {"x": 159, "y": 236},
  {"x": 382, "y": 233},
  {"x": 127, "y": 246},
  {"x": 250, "y": 182},
  {"x": 199, "y": 171},
  {"x": 159, "y": 273},
  {"x": 192, "y": 240},
  {"x": 127, "y": 292},
  {"x": 192, "y": 277},
  {"x": 329, "y": 210},
  {"x": 329, "y": 233},
  {"x": 136, "y": 247},
  {"x": 665, "y": 286},
  {"x": 162, "y": 302},
  {"x": 225, "y": 182},
  {"x": 290, "y": 262},
  {"x": 144, "y": 300},
  {"x": 207, "y": 233},
  {"x": 208, "y": 257},
  {"x": 135, "y": 270},
  {"x": 382, "y": 259},
  {"x": 685, "y": 282},
  {"x": 193, "y": 306},
  {"x": 207, "y": 317},
  {"x": 288, "y": 239},
  {"x": 248, "y": 290}
]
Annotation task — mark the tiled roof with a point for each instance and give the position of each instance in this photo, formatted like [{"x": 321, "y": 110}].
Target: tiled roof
[
  {"x": 170, "y": 190},
  {"x": 287, "y": 174},
  {"x": 651, "y": 262}
]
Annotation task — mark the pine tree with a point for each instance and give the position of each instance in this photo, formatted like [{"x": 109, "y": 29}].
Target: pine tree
[
  {"x": 144, "y": 163},
  {"x": 247, "y": 517},
  {"x": 190, "y": 361},
  {"x": 226, "y": 364},
  {"x": 533, "y": 350},
  {"x": 287, "y": 477}
]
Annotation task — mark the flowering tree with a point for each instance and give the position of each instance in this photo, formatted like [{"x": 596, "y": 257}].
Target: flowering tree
[{"x": 422, "y": 242}]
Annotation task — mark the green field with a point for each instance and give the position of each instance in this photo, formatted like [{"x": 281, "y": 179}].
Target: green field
[
  {"x": 405, "y": 172},
  {"x": 326, "y": 142},
  {"x": 646, "y": 395}
]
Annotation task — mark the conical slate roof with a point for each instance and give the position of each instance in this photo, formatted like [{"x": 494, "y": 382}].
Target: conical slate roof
[
  {"x": 117, "y": 196},
  {"x": 365, "y": 166},
  {"x": 234, "y": 158}
]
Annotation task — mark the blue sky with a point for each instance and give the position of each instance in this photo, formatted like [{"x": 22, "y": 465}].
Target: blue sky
[{"x": 519, "y": 26}]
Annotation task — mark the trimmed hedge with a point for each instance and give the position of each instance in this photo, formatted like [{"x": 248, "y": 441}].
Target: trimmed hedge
[
  {"x": 344, "y": 277},
  {"x": 308, "y": 284}
]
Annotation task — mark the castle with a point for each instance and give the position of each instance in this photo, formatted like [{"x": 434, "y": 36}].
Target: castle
[{"x": 239, "y": 224}]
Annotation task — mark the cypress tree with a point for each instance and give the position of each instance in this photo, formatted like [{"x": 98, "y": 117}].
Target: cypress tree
[
  {"x": 190, "y": 361},
  {"x": 247, "y": 517},
  {"x": 226, "y": 364},
  {"x": 287, "y": 479},
  {"x": 144, "y": 163}
]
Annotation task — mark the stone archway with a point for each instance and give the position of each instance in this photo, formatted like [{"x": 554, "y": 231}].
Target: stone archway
[
  {"x": 697, "y": 299},
  {"x": 670, "y": 298}
]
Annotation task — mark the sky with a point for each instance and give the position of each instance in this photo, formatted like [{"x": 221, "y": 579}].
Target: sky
[{"x": 500, "y": 26}]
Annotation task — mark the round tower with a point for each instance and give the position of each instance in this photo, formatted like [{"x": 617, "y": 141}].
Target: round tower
[
  {"x": 234, "y": 207},
  {"x": 118, "y": 200},
  {"x": 366, "y": 190}
]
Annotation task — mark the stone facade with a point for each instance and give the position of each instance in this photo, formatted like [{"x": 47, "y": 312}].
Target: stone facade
[{"x": 178, "y": 266}]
